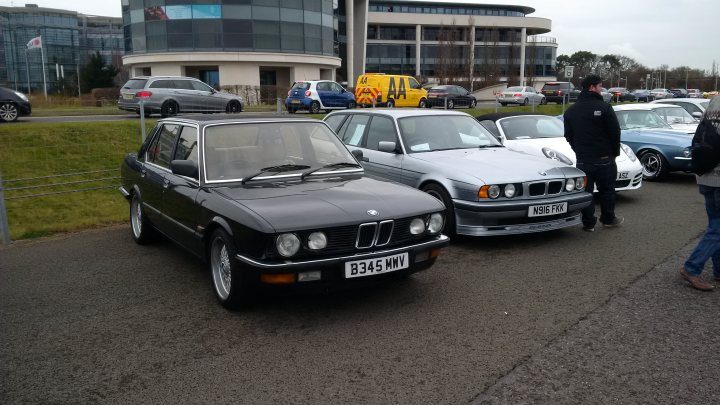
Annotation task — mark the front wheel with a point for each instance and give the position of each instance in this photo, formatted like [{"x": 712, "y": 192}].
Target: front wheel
[
  {"x": 473, "y": 103},
  {"x": 315, "y": 108},
  {"x": 390, "y": 103},
  {"x": 233, "y": 107},
  {"x": 169, "y": 109},
  {"x": 8, "y": 112},
  {"x": 439, "y": 192},
  {"x": 450, "y": 104},
  {"x": 654, "y": 165},
  {"x": 543, "y": 101},
  {"x": 351, "y": 104},
  {"x": 227, "y": 274},
  {"x": 142, "y": 230},
  {"x": 423, "y": 103}
]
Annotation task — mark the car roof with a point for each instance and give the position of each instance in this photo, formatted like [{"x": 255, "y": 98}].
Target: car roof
[
  {"x": 684, "y": 99},
  {"x": 237, "y": 118},
  {"x": 500, "y": 115},
  {"x": 630, "y": 107},
  {"x": 405, "y": 112}
]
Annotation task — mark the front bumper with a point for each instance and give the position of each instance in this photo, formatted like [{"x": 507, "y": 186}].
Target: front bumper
[
  {"x": 24, "y": 108},
  {"x": 511, "y": 217}
]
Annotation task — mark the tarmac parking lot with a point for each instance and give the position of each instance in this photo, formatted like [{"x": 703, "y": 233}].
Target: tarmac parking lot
[{"x": 559, "y": 317}]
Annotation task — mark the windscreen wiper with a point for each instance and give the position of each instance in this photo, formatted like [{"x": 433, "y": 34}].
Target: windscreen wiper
[
  {"x": 275, "y": 169},
  {"x": 329, "y": 166}
]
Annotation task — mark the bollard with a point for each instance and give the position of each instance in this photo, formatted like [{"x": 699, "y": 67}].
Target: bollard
[
  {"x": 142, "y": 120},
  {"x": 4, "y": 228},
  {"x": 446, "y": 102},
  {"x": 279, "y": 109}
]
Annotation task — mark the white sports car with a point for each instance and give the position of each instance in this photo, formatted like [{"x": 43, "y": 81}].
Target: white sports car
[{"x": 543, "y": 135}]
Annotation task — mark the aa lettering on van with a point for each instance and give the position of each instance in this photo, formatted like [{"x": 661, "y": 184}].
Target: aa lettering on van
[
  {"x": 397, "y": 92},
  {"x": 363, "y": 80}
]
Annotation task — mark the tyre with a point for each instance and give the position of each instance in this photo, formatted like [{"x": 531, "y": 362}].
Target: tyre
[
  {"x": 543, "y": 101},
  {"x": 233, "y": 107},
  {"x": 390, "y": 103},
  {"x": 654, "y": 165},
  {"x": 450, "y": 104},
  {"x": 351, "y": 104},
  {"x": 439, "y": 192},
  {"x": 423, "y": 103},
  {"x": 315, "y": 108},
  {"x": 8, "y": 112},
  {"x": 525, "y": 102},
  {"x": 473, "y": 103},
  {"x": 142, "y": 230},
  {"x": 169, "y": 109},
  {"x": 227, "y": 273},
  {"x": 503, "y": 104}
]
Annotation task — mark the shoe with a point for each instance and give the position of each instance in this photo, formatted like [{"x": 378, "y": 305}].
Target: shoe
[
  {"x": 615, "y": 222},
  {"x": 696, "y": 281},
  {"x": 589, "y": 228}
]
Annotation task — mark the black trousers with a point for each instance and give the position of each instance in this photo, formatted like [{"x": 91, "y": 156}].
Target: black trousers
[{"x": 602, "y": 174}]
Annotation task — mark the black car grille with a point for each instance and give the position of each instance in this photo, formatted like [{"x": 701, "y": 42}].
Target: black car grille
[{"x": 545, "y": 188}]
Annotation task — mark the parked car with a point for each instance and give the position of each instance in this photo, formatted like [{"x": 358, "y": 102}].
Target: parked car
[
  {"x": 450, "y": 96},
  {"x": 272, "y": 203},
  {"x": 679, "y": 93},
  {"x": 676, "y": 116},
  {"x": 643, "y": 95},
  {"x": 379, "y": 89},
  {"x": 13, "y": 104},
  {"x": 621, "y": 94},
  {"x": 696, "y": 107},
  {"x": 172, "y": 95},
  {"x": 544, "y": 136},
  {"x": 710, "y": 94},
  {"x": 607, "y": 97},
  {"x": 660, "y": 148},
  {"x": 316, "y": 95},
  {"x": 487, "y": 189},
  {"x": 523, "y": 95},
  {"x": 694, "y": 93},
  {"x": 556, "y": 92},
  {"x": 661, "y": 93}
]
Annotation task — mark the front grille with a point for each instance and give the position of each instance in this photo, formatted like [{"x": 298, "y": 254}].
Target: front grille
[
  {"x": 366, "y": 235},
  {"x": 555, "y": 187},
  {"x": 536, "y": 189},
  {"x": 384, "y": 233},
  {"x": 622, "y": 183},
  {"x": 550, "y": 187}
]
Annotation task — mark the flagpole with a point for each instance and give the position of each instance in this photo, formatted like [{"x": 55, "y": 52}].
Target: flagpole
[
  {"x": 27, "y": 70},
  {"x": 42, "y": 56}
]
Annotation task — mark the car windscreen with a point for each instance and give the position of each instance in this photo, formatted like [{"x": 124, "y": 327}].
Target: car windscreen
[
  {"x": 637, "y": 119},
  {"x": 532, "y": 127},
  {"x": 238, "y": 150},
  {"x": 675, "y": 115},
  {"x": 135, "y": 84},
  {"x": 433, "y": 132},
  {"x": 301, "y": 85}
]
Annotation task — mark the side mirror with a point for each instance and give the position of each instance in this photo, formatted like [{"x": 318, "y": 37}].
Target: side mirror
[
  {"x": 343, "y": 91},
  {"x": 697, "y": 114},
  {"x": 385, "y": 146},
  {"x": 187, "y": 168},
  {"x": 359, "y": 155}
]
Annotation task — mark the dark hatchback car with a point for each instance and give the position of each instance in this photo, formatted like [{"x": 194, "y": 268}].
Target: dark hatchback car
[
  {"x": 271, "y": 203},
  {"x": 450, "y": 96},
  {"x": 620, "y": 94},
  {"x": 13, "y": 104},
  {"x": 556, "y": 92}
]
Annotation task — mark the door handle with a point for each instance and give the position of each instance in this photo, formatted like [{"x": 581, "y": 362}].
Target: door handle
[
  {"x": 166, "y": 183},
  {"x": 143, "y": 172}
]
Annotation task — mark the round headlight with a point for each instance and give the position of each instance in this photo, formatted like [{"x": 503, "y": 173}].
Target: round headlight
[
  {"x": 579, "y": 183},
  {"x": 435, "y": 223},
  {"x": 510, "y": 191},
  {"x": 417, "y": 226},
  {"x": 287, "y": 244},
  {"x": 570, "y": 185},
  {"x": 494, "y": 191},
  {"x": 317, "y": 241}
]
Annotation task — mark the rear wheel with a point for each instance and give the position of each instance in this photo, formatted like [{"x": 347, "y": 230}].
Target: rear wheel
[
  {"x": 8, "y": 112},
  {"x": 142, "y": 230},
  {"x": 525, "y": 102},
  {"x": 390, "y": 103},
  {"x": 439, "y": 192},
  {"x": 654, "y": 165},
  {"x": 423, "y": 103},
  {"x": 227, "y": 273},
  {"x": 473, "y": 103},
  {"x": 233, "y": 107},
  {"x": 315, "y": 108},
  {"x": 169, "y": 109}
]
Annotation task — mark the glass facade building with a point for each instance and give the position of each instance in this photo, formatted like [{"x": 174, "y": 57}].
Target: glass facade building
[{"x": 68, "y": 38}]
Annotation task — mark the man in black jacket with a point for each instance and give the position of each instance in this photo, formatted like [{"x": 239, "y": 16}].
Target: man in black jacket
[{"x": 593, "y": 132}]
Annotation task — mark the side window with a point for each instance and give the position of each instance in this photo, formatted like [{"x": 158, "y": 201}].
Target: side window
[
  {"x": 323, "y": 86},
  {"x": 334, "y": 121},
  {"x": 187, "y": 147},
  {"x": 337, "y": 88},
  {"x": 691, "y": 108},
  {"x": 381, "y": 129},
  {"x": 354, "y": 128},
  {"x": 490, "y": 126},
  {"x": 160, "y": 151},
  {"x": 200, "y": 86},
  {"x": 182, "y": 84},
  {"x": 162, "y": 84},
  {"x": 414, "y": 83}
]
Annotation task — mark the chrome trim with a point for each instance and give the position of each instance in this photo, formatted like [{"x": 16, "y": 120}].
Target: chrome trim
[
  {"x": 441, "y": 239},
  {"x": 519, "y": 228},
  {"x": 124, "y": 192},
  {"x": 193, "y": 231},
  {"x": 392, "y": 229},
  {"x": 682, "y": 158},
  {"x": 374, "y": 238}
]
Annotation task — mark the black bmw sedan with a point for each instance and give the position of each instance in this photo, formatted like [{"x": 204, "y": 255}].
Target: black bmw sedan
[
  {"x": 13, "y": 104},
  {"x": 271, "y": 202}
]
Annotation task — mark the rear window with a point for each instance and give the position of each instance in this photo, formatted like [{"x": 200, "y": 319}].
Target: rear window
[
  {"x": 134, "y": 84},
  {"x": 301, "y": 85},
  {"x": 555, "y": 86},
  {"x": 438, "y": 89}
]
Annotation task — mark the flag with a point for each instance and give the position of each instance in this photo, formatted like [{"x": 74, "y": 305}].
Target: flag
[{"x": 35, "y": 43}]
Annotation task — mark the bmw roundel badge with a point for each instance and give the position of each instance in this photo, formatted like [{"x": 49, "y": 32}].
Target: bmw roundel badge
[{"x": 373, "y": 213}]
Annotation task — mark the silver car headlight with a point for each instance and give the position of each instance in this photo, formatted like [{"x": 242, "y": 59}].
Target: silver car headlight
[
  {"x": 570, "y": 185},
  {"x": 287, "y": 244},
  {"x": 509, "y": 191},
  {"x": 317, "y": 241},
  {"x": 580, "y": 183},
  {"x": 553, "y": 154},
  {"x": 435, "y": 223},
  {"x": 494, "y": 191},
  {"x": 417, "y": 226},
  {"x": 22, "y": 96},
  {"x": 629, "y": 152}
]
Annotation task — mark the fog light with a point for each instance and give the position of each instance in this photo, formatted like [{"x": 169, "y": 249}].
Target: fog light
[
  {"x": 282, "y": 278},
  {"x": 422, "y": 256},
  {"x": 309, "y": 276}
]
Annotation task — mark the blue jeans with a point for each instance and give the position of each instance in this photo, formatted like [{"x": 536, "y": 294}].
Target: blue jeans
[
  {"x": 709, "y": 245},
  {"x": 603, "y": 174}
]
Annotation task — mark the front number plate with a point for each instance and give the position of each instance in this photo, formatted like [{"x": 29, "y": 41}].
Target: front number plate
[
  {"x": 622, "y": 175},
  {"x": 547, "y": 209},
  {"x": 369, "y": 267}
]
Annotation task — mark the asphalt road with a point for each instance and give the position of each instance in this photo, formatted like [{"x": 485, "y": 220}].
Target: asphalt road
[{"x": 559, "y": 317}]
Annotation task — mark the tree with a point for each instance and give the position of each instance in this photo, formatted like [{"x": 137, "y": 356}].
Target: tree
[{"x": 96, "y": 73}]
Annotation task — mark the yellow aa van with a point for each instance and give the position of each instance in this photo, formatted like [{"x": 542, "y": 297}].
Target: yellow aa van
[{"x": 389, "y": 91}]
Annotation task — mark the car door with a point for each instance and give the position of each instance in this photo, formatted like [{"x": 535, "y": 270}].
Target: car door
[
  {"x": 325, "y": 94},
  {"x": 185, "y": 95},
  {"x": 153, "y": 175},
  {"x": 415, "y": 92},
  {"x": 206, "y": 98},
  {"x": 180, "y": 193},
  {"x": 383, "y": 164}
]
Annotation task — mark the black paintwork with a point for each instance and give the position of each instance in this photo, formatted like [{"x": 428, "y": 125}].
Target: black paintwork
[{"x": 8, "y": 96}]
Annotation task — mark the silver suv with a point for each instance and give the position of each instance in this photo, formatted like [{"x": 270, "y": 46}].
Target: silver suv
[{"x": 170, "y": 95}]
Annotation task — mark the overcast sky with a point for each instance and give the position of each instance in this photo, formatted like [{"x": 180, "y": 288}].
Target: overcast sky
[{"x": 653, "y": 32}]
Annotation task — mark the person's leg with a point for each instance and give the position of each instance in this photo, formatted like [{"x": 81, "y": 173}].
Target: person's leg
[
  {"x": 588, "y": 213},
  {"x": 709, "y": 245},
  {"x": 605, "y": 177}
]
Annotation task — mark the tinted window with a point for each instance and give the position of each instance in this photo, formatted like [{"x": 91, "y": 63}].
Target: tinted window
[
  {"x": 134, "y": 84},
  {"x": 183, "y": 84},
  {"x": 381, "y": 129},
  {"x": 200, "y": 86},
  {"x": 353, "y": 129},
  {"x": 162, "y": 84},
  {"x": 323, "y": 86},
  {"x": 161, "y": 149},
  {"x": 301, "y": 85},
  {"x": 334, "y": 121},
  {"x": 187, "y": 147},
  {"x": 414, "y": 84}
]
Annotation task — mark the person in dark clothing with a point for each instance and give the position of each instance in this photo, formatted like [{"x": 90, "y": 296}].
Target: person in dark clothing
[{"x": 593, "y": 131}]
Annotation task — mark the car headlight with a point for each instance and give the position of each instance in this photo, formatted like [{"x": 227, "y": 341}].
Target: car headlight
[
  {"x": 417, "y": 226},
  {"x": 629, "y": 152},
  {"x": 287, "y": 244},
  {"x": 317, "y": 241},
  {"x": 580, "y": 183},
  {"x": 435, "y": 223},
  {"x": 22, "y": 96},
  {"x": 509, "y": 191},
  {"x": 553, "y": 154},
  {"x": 494, "y": 191},
  {"x": 570, "y": 185}
]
